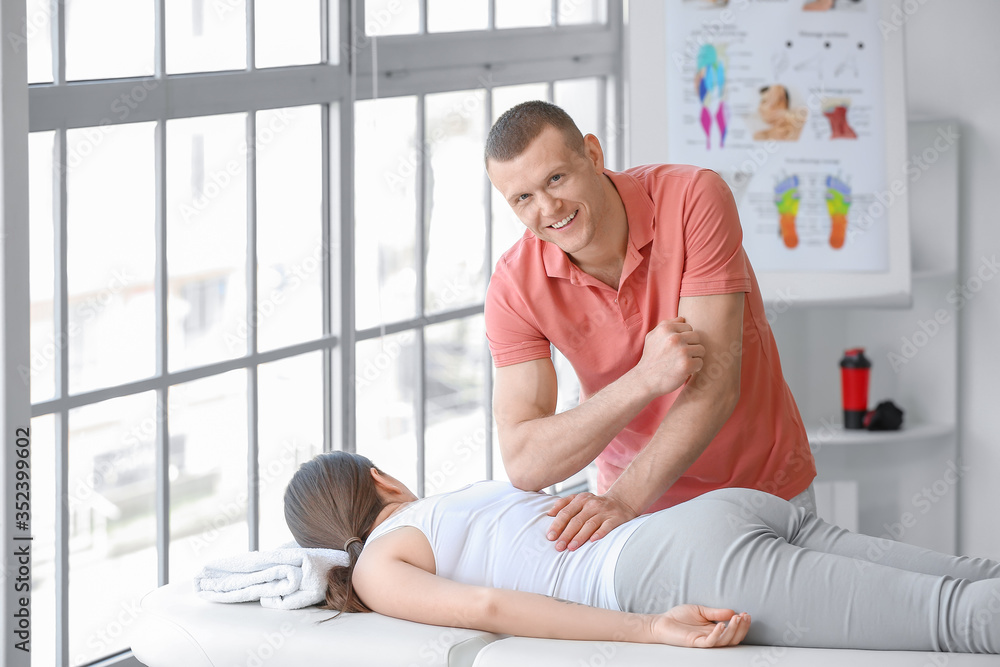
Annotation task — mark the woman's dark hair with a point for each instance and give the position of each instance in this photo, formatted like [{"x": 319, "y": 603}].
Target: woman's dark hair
[
  {"x": 518, "y": 126},
  {"x": 329, "y": 500}
]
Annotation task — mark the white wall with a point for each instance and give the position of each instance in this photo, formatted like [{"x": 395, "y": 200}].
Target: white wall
[{"x": 952, "y": 60}]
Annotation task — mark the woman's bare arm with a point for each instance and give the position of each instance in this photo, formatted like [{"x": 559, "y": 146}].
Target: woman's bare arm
[{"x": 391, "y": 578}]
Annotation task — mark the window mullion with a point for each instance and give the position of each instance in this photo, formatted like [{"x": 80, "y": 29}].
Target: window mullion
[
  {"x": 58, "y": 42},
  {"x": 616, "y": 18},
  {"x": 61, "y": 279},
  {"x": 253, "y": 477},
  {"x": 162, "y": 487},
  {"x": 345, "y": 398},
  {"x": 423, "y": 164},
  {"x": 160, "y": 40},
  {"x": 251, "y": 35},
  {"x": 603, "y": 84},
  {"x": 345, "y": 435},
  {"x": 353, "y": 27},
  {"x": 160, "y": 294},
  {"x": 62, "y": 538},
  {"x": 488, "y": 250},
  {"x": 253, "y": 473},
  {"x": 324, "y": 32},
  {"x": 326, "y": 279},
  {"x": 60, "y": 329}
]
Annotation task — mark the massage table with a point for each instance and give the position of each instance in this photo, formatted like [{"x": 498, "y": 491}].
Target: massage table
[{"x": 177, "y": 628}]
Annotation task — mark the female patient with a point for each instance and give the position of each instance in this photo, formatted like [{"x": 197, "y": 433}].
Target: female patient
[{"x": 478, "y": 558}]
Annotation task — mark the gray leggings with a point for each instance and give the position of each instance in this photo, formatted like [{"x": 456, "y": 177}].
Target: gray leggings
[{"x": 806, "y": 582}]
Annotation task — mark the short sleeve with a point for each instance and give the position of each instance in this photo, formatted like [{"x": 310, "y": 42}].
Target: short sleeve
[
  {"x": 714, "y": 261},
  {"x": 513, "y": 337}
]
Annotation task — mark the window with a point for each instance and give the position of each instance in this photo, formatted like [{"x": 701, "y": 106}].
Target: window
[{"x": 260, "y": 230}]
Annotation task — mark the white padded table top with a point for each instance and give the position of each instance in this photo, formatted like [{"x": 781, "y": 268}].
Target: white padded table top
[
  {"x": 557, "y": 653},
  {"x": 176, "y": 627}
]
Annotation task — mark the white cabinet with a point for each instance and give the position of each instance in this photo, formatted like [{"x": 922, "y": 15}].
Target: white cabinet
[{"x": 904, "y": 484}]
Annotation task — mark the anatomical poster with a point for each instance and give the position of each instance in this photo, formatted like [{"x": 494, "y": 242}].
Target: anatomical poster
[{"x": 784, "y": 99}]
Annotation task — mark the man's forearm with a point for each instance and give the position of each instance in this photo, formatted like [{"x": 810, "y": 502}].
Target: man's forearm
[
  {"x": 702, "y": 407},
  {"x": 574, "y": 438},
  {"x": 685, "y": 432}
]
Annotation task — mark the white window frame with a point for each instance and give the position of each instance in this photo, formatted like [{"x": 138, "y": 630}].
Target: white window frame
[{"x": 407, "y": 65}]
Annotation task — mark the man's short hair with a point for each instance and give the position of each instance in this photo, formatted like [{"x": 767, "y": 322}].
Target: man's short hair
[{"x": 521, "y": 124}]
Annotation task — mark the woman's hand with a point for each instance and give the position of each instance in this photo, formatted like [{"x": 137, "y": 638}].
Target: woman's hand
[{"x": 695, "y": 626}]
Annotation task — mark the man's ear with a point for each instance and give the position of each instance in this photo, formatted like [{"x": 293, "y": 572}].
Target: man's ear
[{"x": 592, "y": 149}]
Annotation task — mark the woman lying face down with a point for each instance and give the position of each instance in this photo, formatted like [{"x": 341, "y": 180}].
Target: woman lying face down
[{"x": 691, "y": 575}]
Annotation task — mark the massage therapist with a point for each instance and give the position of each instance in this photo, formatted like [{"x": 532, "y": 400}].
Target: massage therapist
[{"x": 631, "y": 275}]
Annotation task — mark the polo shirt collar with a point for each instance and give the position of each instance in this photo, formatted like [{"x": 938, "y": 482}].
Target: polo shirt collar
[
  {"x": 639, "y": 212},
  {"x": 638, "y": 209}
]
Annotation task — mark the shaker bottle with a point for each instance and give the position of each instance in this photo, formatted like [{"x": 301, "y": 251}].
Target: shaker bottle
[{"x": 854, "y": 371}]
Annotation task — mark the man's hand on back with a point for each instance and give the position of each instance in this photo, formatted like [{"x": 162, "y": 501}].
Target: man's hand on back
[
  {"x": 585, "y": 516},
  {"x": 671, "y": 353}
]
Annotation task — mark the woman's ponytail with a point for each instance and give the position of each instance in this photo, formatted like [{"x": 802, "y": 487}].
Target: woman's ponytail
[{"x": 331, "y": 502}]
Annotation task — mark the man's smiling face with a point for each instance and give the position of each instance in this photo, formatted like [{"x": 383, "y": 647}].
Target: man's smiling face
[{"x": 554, "y": 190}]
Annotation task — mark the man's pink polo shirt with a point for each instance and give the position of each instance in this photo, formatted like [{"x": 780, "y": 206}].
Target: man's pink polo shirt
[{"x": 685, "y": 239}]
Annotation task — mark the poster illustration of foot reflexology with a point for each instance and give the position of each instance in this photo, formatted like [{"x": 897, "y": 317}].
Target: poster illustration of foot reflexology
[{"x": 783, "y": 98}]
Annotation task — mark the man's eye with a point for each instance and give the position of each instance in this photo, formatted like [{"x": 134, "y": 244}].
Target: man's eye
[
  {"x": 556, "y": 177},
  {"x": 522, "y": 197}
]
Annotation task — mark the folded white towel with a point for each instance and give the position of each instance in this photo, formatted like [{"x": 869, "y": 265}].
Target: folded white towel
[{"x": 284, "y": 578}]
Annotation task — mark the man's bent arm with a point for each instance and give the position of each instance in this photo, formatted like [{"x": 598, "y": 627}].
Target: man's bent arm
[
  {"x": 540, "y": 448},
  {"x": 699, "y": 411}
]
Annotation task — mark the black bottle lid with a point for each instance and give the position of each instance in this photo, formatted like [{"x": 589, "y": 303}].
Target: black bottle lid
[{"x": 855, "y": 358}]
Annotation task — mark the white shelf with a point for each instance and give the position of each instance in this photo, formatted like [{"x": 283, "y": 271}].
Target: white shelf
[
  {"x": 841, "y": 437},
  {"x": 934, "y": 274}
]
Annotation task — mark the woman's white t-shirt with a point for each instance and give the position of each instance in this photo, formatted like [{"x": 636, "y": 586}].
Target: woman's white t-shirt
[{"x": 492, "y": 534}]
